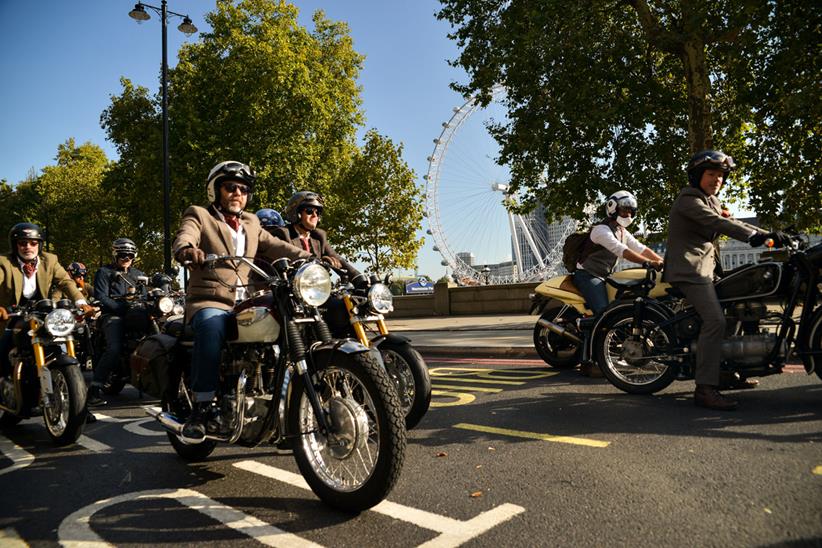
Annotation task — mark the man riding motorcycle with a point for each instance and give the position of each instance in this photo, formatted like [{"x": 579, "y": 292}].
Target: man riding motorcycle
[
  {"x": 112, "y": 284},
  {"x": 26, "y": 274},
  {"x": 78, "y": 273},
  {"x": 270, "y": 219},
  {"x": 222, "y": 228},
  {"x": 696, "y": 221}
]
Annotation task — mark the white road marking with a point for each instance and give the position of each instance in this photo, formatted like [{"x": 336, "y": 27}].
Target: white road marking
[
  {"x": 10, "y": 539},
  {"x": 136, "y": 427},
  {"x": 19, "y": 456},
  {"x": 75, "y": 531},
  {"x": 453, "y": 532},
  {"x": 93, "y": 445}
]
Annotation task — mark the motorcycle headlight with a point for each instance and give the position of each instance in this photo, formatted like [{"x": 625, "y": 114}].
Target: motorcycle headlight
[
  {"x": 380, "y": 299},
  {"x": 60, "y": 322},
  {"x": 178, "y": 310},
  {"x": 312, "y": 284},
  {"x": 165, "y": 304}
]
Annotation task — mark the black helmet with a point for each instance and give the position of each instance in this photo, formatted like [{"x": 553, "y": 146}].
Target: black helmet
[
  {"x": 123, "y": 245},
  {"x": 24, "y": 231},
  {"x": 708, "y": 159},
  {"x": 77, "y": 270},
  {"x": 298, "y": 201},
  {"x": 229, "y": 171},
  {"x": 270, "y": 218}
]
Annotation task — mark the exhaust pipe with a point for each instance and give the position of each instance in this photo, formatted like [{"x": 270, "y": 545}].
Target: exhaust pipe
[
  {"x": 559, "y": 330},
  {"x": 172, "y": 424}
]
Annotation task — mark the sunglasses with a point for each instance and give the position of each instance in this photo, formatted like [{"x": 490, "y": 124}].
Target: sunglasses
[
  {"x": 125, "y": 256},
  {"x": 234, "y": 187},
  {"x": 312, "y": 210},
  {"x": 28, "y": 243}
]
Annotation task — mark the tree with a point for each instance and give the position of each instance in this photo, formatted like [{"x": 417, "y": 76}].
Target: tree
[
  {"x": 380, "y": 207},
  {"x": 604, "y": 94}
]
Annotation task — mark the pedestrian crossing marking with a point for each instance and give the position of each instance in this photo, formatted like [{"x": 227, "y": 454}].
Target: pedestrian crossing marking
[{"x": 533, "y": 435}]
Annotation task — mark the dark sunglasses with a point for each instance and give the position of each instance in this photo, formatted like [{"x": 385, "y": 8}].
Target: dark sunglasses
[
  {"x": 124, "y": 256},
  {"x": 30, "y": 243},
  {"x": 233, "y": 187},
  {"x": 313, "y": 210}
]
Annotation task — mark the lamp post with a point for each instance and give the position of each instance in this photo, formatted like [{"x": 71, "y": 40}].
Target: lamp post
[
  {"x": 139, "y": 14},
  {"x": 487, "y": 272}
]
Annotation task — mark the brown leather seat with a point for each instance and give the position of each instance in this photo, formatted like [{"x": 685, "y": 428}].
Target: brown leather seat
[{"x": 567, "y": 284}]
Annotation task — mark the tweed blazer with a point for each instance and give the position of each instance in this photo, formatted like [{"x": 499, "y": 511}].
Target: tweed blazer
[
  {"x": 318, "y": 242},
  {"x": 694, "y": 225},
  {"x": 49, "y": 272},
  {"x": 214, "y": 288}
]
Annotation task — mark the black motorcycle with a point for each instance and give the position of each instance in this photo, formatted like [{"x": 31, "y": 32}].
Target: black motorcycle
[
  {"x": 330, "y": 400},
  {"x": 150, "y": 302},
  {"x": 644, "y": 345},
  {"x": 45, "y": 376}
]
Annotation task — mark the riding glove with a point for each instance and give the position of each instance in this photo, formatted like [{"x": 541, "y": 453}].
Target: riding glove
[{"x": 191, "y": 254}]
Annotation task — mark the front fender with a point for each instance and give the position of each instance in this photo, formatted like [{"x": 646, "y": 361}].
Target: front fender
[
  {"x": 323, "y": 353},
  {"x": 390, "y": 337},
  {"x": 64, "y": 360}
]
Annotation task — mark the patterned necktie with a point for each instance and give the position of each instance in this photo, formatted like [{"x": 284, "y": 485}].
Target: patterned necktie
[
  {"x": 233, "y": 222},
  {"x": 28, "y": 269},
  {"x": 305, "y": 244}
]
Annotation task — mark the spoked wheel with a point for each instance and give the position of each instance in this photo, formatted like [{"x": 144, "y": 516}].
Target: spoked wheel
[
  {"x": 556, "y": 350},
  {"x": 65, "y": 414},
  {"x": 408, "y": 371},
  {"x": 178, "y": 406},
  {"x": 357, "y": 465},
  {"x": 634, "y": 364}
]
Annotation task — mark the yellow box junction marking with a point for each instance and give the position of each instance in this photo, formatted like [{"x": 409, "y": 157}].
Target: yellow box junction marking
[
  {"x": 818, "y": 470},
  {"x": 533, "y": 435},
  {"x": 456, "y": 394}
]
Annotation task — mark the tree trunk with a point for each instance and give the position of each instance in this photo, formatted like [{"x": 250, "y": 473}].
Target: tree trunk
[{"x": 700, "y": 134}]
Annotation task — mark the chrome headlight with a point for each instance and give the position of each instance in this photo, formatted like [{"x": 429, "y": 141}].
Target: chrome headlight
[
  {"x": 380, "y": 299},
  {"x": 178, "y": 310},
  {"x": 60, "y": 322},
  {"x": 165, "y": 304},
  {"x": 312, "y": 284}
]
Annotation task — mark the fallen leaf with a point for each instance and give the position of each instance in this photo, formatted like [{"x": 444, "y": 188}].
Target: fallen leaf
[
  {"x": 492, "y": 448},
  {"x": 768, "y": 511},
  {"x": 442, "y": 454},
  {"x": 479, "y": 466},
  {"x": 476, "y": 494}
]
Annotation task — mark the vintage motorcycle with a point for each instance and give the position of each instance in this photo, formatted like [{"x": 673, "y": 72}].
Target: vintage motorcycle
[
  {"x": 331, "y": 400},
  {"x": 45, "y": 375},
  {"x": 560, "y": 334},
  {"x": 150, "y": 302},
  {"x": 365, "y": 321},
  {"x": 644, "y": 345}
]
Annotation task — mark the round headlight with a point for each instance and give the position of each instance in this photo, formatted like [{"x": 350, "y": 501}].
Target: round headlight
[
  {"x": 178, "y": 310},
  {"x": 165, "y": 304},
  {"x": 312, "y": 284},
  {"x": 381, "y": 299},
  {"x": 60, "y": 322}
]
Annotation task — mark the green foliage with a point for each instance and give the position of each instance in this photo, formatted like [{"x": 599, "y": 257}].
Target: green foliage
[
  {"x": 607, "y": 94},
  {"x": 377, "y": 208}
]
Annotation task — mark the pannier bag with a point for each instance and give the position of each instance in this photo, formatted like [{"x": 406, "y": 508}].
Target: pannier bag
[{"x": 150, "y": 364}]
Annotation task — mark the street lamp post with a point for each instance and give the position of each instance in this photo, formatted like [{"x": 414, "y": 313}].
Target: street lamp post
[
  {"x": 139, "y": 14},
  {"x": 487, "y": 272}
]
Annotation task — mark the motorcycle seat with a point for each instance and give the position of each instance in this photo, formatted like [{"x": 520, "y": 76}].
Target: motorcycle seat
[
  {"x": 177, "y": 328},
  {"x": 623, "y": 284}
]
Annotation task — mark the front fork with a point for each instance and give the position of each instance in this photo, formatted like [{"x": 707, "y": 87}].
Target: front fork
[
  {"x": 296, "y": 345},
  {"x": 43, "y": 372}
]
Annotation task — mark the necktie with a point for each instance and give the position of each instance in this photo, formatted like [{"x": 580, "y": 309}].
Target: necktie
[
  {"x": 305, "y": 244},
  {"x": 28, "y": 269},
  {"x": 233, "y": 222}
]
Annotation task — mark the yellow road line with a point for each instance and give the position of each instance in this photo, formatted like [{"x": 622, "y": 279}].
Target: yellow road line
[
  {"x": 818, "y": 470},
  {"x": 475, "y": 380},
  {"x": 469, "y": 388},
  {"x": 533, "y": 435}
]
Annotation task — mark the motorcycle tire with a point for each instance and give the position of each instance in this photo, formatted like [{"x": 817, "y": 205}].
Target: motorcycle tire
[
  {"x": 66, "y": 416},
  {"x": 408, "y": 371},
  {"x": 556, "y": 350},
  {"x": 7, "y": 420},
  {"x": 363, "y": 465},
  {"x": 644, "y": 376},
  {"x": 189, "y": 452}
]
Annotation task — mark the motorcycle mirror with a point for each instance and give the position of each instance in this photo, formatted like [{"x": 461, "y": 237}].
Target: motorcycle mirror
[
  {"x": 281, "y": 265},
  {"x": 142, "y": 280}
]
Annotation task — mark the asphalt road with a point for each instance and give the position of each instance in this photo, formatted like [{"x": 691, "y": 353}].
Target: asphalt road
[{"x": 510, "y": 454}]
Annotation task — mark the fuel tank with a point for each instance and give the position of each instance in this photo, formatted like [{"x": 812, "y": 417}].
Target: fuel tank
[{"x": 257, "y": 319}]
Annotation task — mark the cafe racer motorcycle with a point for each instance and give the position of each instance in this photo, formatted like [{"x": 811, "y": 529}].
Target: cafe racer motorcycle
[
  {"x": 644, "y": 345},
  {"x": 45, "y": 375},
  {"x": 331, "y": 400}
]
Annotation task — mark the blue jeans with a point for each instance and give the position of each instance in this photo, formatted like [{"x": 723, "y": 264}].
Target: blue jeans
[
  {"x": 209, "y": 326},
  {"x": 113, "y": 333},
  {"x": 593, "y": 289}
]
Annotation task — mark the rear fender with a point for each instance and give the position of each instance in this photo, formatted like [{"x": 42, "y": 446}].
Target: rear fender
[
  {"x": 640, "y": 303},
  {"x": 812, "y": 356}
]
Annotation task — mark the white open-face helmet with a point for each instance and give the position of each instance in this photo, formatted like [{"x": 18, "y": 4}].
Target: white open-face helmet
[
  {"x": 229, "y": 171},
  {"x": 618, "y": 200}
]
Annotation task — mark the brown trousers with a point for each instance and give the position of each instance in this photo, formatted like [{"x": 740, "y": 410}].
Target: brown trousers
[{"x": 709, "y": 345}]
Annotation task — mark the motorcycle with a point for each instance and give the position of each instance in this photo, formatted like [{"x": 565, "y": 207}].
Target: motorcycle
[
  {"x": 45, "y": 375},
  {"x": 644, "y": 345},
  {"x": 331, "y": 399},
  {"x": 366, "y": 308},
  {"x": 150, "y": 302},
  {"x": 560, "y": 334}
]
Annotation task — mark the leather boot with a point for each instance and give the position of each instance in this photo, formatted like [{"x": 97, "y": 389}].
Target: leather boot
[
  {"x": 708, "y": 396},
  {"x": 734, "y": 381},
  {"x": 195, "y": 426},
  {"x": 94, "y": 398}
]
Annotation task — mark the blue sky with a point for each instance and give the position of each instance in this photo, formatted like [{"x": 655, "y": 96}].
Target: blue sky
[{"x": 62, "y": 61}]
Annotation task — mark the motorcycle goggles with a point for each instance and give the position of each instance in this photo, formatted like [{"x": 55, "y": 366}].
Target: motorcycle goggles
[
  {"x": 627, "y": 205},
  {"x": 126, "y": 256},
  {"x": 714, "y": 159},
  {"x": 237, "y": 170}
]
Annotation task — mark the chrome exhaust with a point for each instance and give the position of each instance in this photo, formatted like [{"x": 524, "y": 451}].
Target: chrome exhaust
[{"x": 559, "y": 330}]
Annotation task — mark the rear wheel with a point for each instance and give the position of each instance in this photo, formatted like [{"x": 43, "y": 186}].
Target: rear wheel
[
  {"x": 65, "y": 414},
  {"x": 556, "y": 350},
  {"x": 408, "y": 371},
  {"x": 177, "y": 404},
  {"x": 634, "y": 364},
  {"x": 356, "y": 467}
]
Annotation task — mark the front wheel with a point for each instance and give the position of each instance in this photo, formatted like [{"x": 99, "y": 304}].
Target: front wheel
[
  {"x": 408, "y": 371},
  {"x": 65, "y": 413},
  {"x": 556, "y": 350},
  {"x": 356, "y": 466},
  {"x": 634, "y": 364}
]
